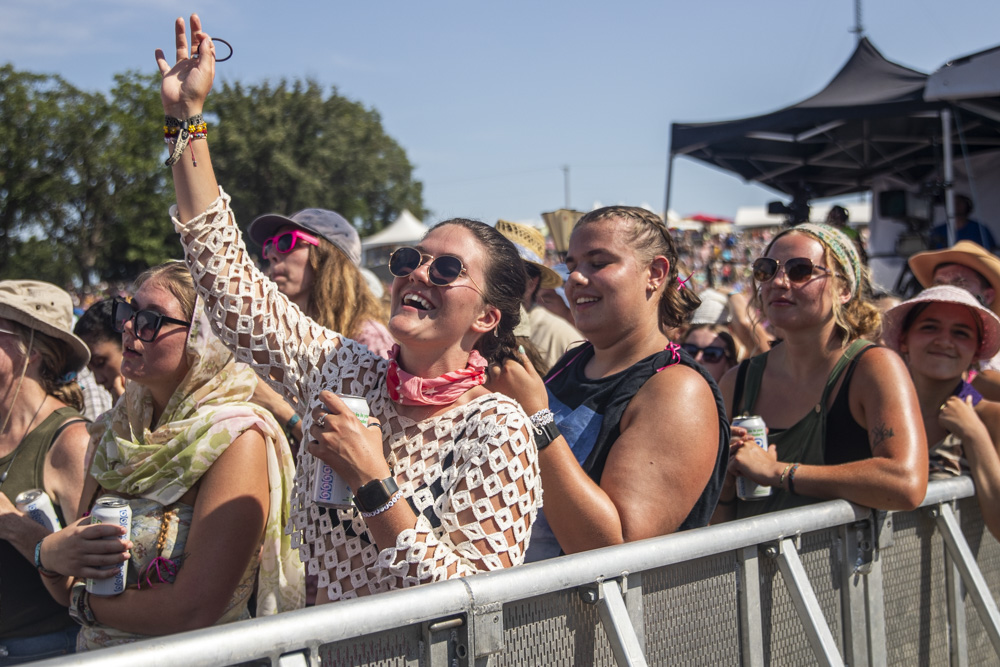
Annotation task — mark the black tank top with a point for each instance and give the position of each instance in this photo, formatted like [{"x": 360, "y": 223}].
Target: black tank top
[{"x": 589, "y": 412}]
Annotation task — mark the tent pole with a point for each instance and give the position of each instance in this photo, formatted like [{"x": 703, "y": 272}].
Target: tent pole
[
  {"x": 949, "y": 174},
  {"x": 670, "y": 178}
]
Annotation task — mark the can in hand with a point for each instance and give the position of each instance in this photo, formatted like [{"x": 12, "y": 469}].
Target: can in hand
[
  {"x": 37, "y": 504},
  {"x": 747, "y": 489},
  {"x": 329, "y": 488},
  {"x": 113, "y": 510}
]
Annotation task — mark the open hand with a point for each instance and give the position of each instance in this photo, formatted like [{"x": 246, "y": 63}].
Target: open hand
[{"x": 186, "y": 85}]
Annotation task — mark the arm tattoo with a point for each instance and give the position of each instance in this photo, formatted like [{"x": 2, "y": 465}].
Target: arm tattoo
[{"x": 880, "y": 434}]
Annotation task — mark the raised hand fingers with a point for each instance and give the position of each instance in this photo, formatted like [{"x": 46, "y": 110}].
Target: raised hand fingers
[{"x": 180, "y": 40}]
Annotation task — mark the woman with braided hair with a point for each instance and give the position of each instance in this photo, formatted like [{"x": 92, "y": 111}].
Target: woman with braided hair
[
  {"x": 446, "y": 479},
  {"x": 633, "y": 431},
  {"x": 842, "y": 413}
]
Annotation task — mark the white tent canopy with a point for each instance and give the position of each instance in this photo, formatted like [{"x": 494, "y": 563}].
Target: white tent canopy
[{"x": 406, "y": 229}]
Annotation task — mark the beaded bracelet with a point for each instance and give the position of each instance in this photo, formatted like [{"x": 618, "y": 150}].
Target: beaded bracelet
[
  {"x": 791, "y": 479},
  {"x": 542, "y": 417},
  {"x": 781, "y": 480},
  {"x": 51, "y": 574},
  {"x": 378, "y": 510},
  {"x": 180, "y": 133}
]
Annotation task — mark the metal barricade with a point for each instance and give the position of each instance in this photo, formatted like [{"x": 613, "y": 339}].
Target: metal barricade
[{"x": 831, "y": 584}]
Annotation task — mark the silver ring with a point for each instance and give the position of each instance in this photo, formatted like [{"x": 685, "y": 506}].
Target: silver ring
[
  {"x": 321, "y": 422},
  {"x": 375, "y": 425}
]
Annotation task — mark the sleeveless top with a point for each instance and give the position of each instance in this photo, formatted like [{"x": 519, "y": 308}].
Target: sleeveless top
[
  {"x": 26, "y": 608},
  {"x": 160, "y": 531},
  {"x": 826, "y": 435},
  {"x": 588, "y": 412}
]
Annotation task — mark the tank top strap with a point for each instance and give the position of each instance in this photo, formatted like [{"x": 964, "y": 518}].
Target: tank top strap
[
  {"x": 751, "y": 386},
  {"x": 846, "y": 358}
]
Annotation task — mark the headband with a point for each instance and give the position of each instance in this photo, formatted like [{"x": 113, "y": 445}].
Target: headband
[{"x": 843, "y": 249}]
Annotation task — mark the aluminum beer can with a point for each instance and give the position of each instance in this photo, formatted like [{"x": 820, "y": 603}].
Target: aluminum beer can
[
  {"x": 747, "y": 489},
  {"x": 37, "y": 504},
  {"x": 329, "y": 489},
  {"x": 113, "y": 510}
]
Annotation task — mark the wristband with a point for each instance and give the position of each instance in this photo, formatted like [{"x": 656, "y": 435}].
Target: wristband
[
  {"x": 378, "y": 510},
  {"x": 38, "y": 562},
  {"x": 292, "y": 421},
  {"x": 781, "y": 480},
  {"x": 791, "y": 479},
  {"x": 79, "y": 605}
]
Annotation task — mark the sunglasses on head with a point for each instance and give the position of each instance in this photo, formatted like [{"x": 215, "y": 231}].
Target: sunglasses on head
[
  {"x": 712, "y": 354},
  {"x": 797, "y": 269},
  {"x": 442, "y": 270},
  {"x": 284, "y": 242},
  {"x": 145, "y": 323}
]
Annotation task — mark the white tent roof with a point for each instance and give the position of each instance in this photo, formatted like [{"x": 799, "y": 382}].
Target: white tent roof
[{"x": 406, "y": 229}]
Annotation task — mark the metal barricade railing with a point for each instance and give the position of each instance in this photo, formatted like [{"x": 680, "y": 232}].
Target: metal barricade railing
[{"x": 832, "y": 583}]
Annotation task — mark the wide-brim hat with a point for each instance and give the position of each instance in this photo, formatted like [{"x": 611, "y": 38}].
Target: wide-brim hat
[
  {"x": 46, "y": 308},
  {"x": 530, "y": 244},
  {"x": 894, "y": 317},
  {"x": 966, "y": 253},
  {"x": 329, "y": 225}
]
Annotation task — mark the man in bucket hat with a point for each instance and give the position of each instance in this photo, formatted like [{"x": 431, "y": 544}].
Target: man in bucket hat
[
  {"x": 972, "y": 267},
  {"x": 550, "y": 334}
]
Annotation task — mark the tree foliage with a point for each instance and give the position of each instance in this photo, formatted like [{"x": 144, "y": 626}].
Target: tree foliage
[
  {"x": 84, "y": 192},
  {"x": 281, "y": 148}
]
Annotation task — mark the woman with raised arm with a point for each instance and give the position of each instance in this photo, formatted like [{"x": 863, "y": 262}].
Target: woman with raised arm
[
  {"x": 446, "y": 482},
  {"x": 43, "y": 439},
  {"x": 633, "y": 431},
  {"x": 842, "y": 414},
  {"x": 206, "y": 474},
  {"x": 940, "y": 334}
]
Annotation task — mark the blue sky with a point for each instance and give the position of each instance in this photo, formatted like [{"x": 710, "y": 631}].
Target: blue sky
[{"x": 490, "y": 100}]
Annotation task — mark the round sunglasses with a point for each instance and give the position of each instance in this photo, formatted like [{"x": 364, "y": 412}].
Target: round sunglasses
[
  {"x": 284, "y": 242},
  {"x": 712, "y": 354},
  {"x": 798, "y": 269},
  {"x": 442, "y": 270},
  {"x": 145, "y": 323}
]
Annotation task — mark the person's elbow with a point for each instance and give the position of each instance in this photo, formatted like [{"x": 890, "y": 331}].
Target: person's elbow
[{"x": 911, "y": 489}]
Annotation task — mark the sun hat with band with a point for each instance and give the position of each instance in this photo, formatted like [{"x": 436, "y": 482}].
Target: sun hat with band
[
  {"x": 990, "y": 323},
  {"x": 46, "y": 308},
  {"x": 965, "y": 253},
  {"x": 530, "y": 244},
  {"x": 329, "y": 225}
]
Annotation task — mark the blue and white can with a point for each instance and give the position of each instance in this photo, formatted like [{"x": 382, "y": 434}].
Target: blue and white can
[
  {"x": 116, "y": 511},
  {"x": 747, "y": 489},
  {"x": 37, "y": 504},
  {"x": 329, "y": 489}
]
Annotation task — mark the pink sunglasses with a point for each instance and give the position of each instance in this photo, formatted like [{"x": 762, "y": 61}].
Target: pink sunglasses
[{"x": 284, "y": 242}]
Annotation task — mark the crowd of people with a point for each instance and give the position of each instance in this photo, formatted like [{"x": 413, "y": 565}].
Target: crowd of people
[{"x": 518, "y": 408}]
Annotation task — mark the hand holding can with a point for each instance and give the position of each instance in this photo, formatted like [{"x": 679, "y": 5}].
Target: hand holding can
[{"x": 329, "y": 489}]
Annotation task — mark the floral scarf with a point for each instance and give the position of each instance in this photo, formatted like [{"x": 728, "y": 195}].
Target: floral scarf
[{"x": 206, "y": 413}]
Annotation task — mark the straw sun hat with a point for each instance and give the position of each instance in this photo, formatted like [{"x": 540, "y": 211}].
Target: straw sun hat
[
  {"x": 530, "y": 244},
  {"x": 894, "y": 317},
  {"x": 45, "y": 308},
  {"x": 965, "y": 253}
]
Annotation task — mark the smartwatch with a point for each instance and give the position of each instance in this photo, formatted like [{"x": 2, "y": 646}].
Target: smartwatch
[
  {"x": 375, "y": 494},
  {"x": 545, "y": 434}
]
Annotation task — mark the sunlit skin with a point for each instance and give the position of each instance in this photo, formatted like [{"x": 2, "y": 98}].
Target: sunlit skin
[
  {"x": 794, "y": 305},
  {"x": 291, "y": 271},
  {"x": 705, "y": 338},
  {"x": 105, "y": 363},
  {"x": 159, "y": 365},
  {"x": 942, "y": 341},
  {"x": 424, "y": 315},
  {"x": 606, "y": 284}
]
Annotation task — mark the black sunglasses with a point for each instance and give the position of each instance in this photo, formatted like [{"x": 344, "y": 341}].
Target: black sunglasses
[
  {"x": 442, "y": 270},
  {"x": 797, "y": 269},
  {"x": 145, "y": 323},
  {"x": 712, "y": 354}
]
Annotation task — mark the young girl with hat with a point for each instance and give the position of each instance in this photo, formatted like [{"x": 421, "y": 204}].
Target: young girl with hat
[
  {"x": 42, "y": 444},
  {"x": 941, "y": 333}
]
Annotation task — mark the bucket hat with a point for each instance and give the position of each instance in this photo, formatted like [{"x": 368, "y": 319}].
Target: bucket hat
[
  {"x": 894, "y": 317},
  {"x": 46, "y": 308}
]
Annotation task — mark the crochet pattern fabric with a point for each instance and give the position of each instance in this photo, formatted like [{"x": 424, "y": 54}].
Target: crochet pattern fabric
[{"x": 470, "y": 475}]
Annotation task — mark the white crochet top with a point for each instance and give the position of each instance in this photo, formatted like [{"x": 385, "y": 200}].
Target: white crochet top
[{"x": 470, "y": 475}]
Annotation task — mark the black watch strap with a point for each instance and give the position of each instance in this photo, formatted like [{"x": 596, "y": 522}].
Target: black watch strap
[
  {"x": 544, "y": 435},
  {"x": 375, "y": 494}
]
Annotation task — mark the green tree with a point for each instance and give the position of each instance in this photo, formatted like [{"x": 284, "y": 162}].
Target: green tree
[{"x": 286, "y": 147}]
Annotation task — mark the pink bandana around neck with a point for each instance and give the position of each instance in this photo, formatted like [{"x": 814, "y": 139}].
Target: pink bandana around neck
[{"x": 413, "y": 390}]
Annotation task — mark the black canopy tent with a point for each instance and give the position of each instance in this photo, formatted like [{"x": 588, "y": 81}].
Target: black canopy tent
[{"x": 871, "y": 120}]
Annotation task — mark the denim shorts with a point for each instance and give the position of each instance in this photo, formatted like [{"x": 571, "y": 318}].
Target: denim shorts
[{"x": 18, "y": 650}]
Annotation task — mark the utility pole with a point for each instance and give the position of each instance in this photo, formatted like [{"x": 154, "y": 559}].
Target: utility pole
[
  {"x": 565, "y": 170},
  {"x": 858, "y": 29}
]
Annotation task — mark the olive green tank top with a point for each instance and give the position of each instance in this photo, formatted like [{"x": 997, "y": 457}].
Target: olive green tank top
[{"x": 26, "y": 608}]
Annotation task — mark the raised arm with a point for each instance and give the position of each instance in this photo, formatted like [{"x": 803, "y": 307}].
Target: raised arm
[{"x": 250, "y": 315}]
